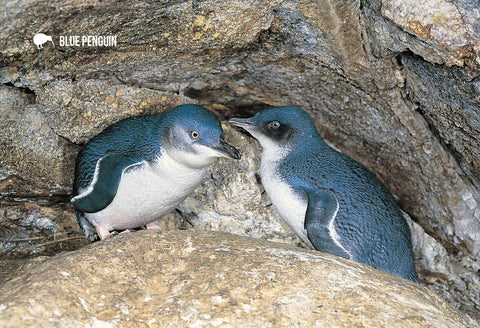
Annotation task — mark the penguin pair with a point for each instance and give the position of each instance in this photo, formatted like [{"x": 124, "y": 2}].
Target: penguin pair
[{"x": 141, "y": 168}]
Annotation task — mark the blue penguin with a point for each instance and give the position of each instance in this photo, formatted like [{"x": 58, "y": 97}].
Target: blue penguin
[
  {"x": 333, "y": 203},
  {"x": 141, "y": 168}
]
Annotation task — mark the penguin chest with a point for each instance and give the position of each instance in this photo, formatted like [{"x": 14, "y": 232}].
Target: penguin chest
[
  {"x": 290, "y": 206},
  {"x": 147, "y": 193}
]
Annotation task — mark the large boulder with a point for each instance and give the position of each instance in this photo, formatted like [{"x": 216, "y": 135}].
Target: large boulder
[
  {"x": 394, "y": 84},
  {"x": 213, "y": 279}
]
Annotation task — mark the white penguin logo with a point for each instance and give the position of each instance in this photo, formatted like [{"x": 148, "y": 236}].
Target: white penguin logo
[{"x": 40, "y": 38}]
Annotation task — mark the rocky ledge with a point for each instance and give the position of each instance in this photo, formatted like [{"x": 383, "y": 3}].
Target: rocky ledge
[{"x": 213, "y": 279}]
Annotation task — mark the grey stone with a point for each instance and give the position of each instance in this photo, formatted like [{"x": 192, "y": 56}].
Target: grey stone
[
  {"x": 30, "y": 150},
  {"x": 441, "y": 32},
  {"x": 92, "y": 105}
]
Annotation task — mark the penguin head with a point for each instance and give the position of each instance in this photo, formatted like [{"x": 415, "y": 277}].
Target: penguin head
[
  {"x": 279, "y": 126},
  {"x": 194, "y": 137}
]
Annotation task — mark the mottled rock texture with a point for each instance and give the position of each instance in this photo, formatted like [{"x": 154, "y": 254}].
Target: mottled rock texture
[
  {"x": 213, "y": 279},
  {"x": 394, "y": 84}
]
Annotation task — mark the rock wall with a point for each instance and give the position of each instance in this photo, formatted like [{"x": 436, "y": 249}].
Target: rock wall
[{"x": 393, "y": 84}]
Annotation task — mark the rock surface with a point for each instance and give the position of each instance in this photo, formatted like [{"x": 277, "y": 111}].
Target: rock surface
[
  {"x": 393, "y": 84},
  {"x": 213, "y": 279}
]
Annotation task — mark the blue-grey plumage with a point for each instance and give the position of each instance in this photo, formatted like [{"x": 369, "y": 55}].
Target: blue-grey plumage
[
  {"x": 332, "y": 202},
  {"x": 141, "y": 168}
]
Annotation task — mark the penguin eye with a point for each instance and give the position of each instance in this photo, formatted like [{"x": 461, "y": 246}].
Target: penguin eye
[
  {"x": 194, "y": 134},
  {"x": 273, "y": 125}
]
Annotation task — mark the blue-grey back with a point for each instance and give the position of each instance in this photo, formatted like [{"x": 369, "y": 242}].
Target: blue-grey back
[
  {"x": 136, "y": 137},
  {"x": 367, "y": 210}
]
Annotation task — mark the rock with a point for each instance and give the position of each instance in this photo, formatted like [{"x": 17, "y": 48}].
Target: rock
[
  {"x": 195, "y": 279},
  {"x": 453, "y": 115},
  {"x": 28, "y": 228},
  {"x": 92, "y": 105},
  {"x": 439, "y": 31},
  {"x": 388, "y": 83},
  {"x": 31, "y": 152},
  {"x": 442, "y": 273},
  {"x": 455, "y": 118},
  {"x": 450, "y": 29}
]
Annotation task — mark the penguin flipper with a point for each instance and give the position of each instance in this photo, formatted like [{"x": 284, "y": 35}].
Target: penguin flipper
[
  {"x": 322, "y": 209},
  {"x": 102, "y": 190}
]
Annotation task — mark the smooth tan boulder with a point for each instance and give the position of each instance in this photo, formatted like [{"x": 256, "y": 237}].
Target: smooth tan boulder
[
  {"x": 212, "y": 279},
  {"x": 392, "y": 83}
]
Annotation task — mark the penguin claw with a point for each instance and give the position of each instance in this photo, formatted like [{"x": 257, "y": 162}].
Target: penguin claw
[
  {"x": 153, "y": 225},
  {"x": 103, "y": 233}
]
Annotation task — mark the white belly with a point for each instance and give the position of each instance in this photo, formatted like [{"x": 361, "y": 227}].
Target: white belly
[
  {"x": 291, "y": 207},
  {"x": 147, "y": 193}
]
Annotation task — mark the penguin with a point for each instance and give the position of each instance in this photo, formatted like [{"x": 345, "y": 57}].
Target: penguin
[
  {"x": 141, "y": 168},
  {"x": 332, "y": 202}
]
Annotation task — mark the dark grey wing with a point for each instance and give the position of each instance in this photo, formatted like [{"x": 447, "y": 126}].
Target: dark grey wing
[
  {"x": 102, "y": 190},
  {"x": 322, "y": 209}
]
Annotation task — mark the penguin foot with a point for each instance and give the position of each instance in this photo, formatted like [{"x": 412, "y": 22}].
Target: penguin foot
[
  {"x": 103, "y": 233},
  {"x": 153, "y": 225}
]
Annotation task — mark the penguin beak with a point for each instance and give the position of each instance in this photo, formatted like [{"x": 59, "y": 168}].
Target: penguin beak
[
  {"x": 225, "y": 150},
  {"x": 245, "y": 123}
]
